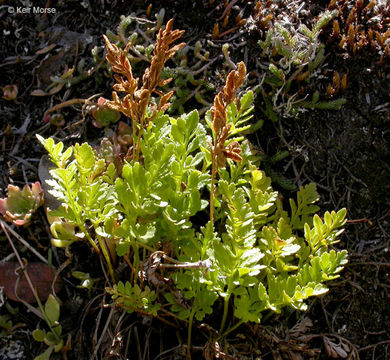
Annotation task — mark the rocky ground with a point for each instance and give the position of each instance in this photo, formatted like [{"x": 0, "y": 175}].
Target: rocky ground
[{"x": 345, "y": 152}]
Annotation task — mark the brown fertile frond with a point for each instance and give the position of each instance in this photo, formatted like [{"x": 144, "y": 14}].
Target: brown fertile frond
[
  {"x": 142, "y": 99},
  {"x": 122, "y": 105},
  {"x": 224, "y": 98},
  {"x": 135, "y": 102},
  {"x": 233, "y": 81},
  {"x": 163, "y": 104},
  {"x": 233, "y": 151},
  {"x": 125, "y": 86},
  {"x": 121, "y": 65},
  {"x": 219, "y": 147},
  {"x": 218, "y": 112},
  {"x": 118, "y": 59},
  {"x": 161, "y": 54},
  {"x": 221, "y": 129}
]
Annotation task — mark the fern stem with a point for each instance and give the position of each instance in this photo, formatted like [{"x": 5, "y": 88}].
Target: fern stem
[
  {"x": 106, "y": 257},
  {"x": 135, "y": 263},
  {"x": 225, "y": 312},
  {"x": 86, "y": 233},
  {"x": 228, "y": 331},
  {"x": 134, "y": 126},
  {"x": 139, "y": 135},
  {"x": 79, "y": 221},
  {"x": 212, "y": 187},
  {"x": 137, "y": 146}
]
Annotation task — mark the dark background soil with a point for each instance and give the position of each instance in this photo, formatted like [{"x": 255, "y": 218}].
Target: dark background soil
[{"x": 346, "y": 153}]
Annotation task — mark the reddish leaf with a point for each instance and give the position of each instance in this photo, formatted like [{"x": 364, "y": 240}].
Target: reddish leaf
[{"x": 41, "y": 275}]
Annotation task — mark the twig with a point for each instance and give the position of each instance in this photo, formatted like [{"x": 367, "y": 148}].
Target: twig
[
  {"x": 146, "y": 37},
  {"x": 7, "y": 258},
  {"x": 325, "y": 313},
  {"x": 373, "y": 346},
  {"x": 204, "y": 67},
  {"x": 83, "y": 317},
  {"x": 22, "y": 265},
  {"x": 350, "y": 173},
  {"x": 103, "y": 333},
  {"x": 178, "y": 347},
  {"x": 373, "y": 263},
  {"x": 355, "y": 221},
  {"x": 230, "y": 5},
  {"x": 201, "y": 264},
  {"x": 227, "y": 32},
  {"x": 65, "y": 104},
  {"x": 138, "y": 343},
  {"x": 24, "y": 242}
]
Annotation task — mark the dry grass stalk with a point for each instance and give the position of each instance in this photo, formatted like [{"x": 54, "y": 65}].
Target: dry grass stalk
[{"x": 134, "y": 104}]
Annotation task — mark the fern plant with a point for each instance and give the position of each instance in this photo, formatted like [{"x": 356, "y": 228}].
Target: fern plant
[{"x": 189, "y": 211}]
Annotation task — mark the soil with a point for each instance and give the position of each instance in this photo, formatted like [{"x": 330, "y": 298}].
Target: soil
[{"x": 345, "y": 152}]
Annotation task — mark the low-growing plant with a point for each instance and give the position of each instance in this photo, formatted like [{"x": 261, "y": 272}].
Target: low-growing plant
[
  {"x": 7, "y": 317},
  {"x": 103, "y": 115},
  {"x": 53, "y": 337},
  {"x": 6, "y": 324},
  {"x": 293, "y": 57},
  {"x": 10, "y": 92},
  {"x": 361, "y": 24},
  {"x": 20, "y": 204},
  {"x": 189, "y": 211}
]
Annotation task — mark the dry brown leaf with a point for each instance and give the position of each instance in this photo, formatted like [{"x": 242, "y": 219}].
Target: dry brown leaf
[
  {"x": 56, "y": 89},
  {"x": 52, "y": 91},
  {"x": 45, "y": 49},
  {"x": 336, "y": 351},
  {"x": 42, "y": 277},
  {"x": 38, "y": 92},
  {"x": 301, "y": 327}
]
